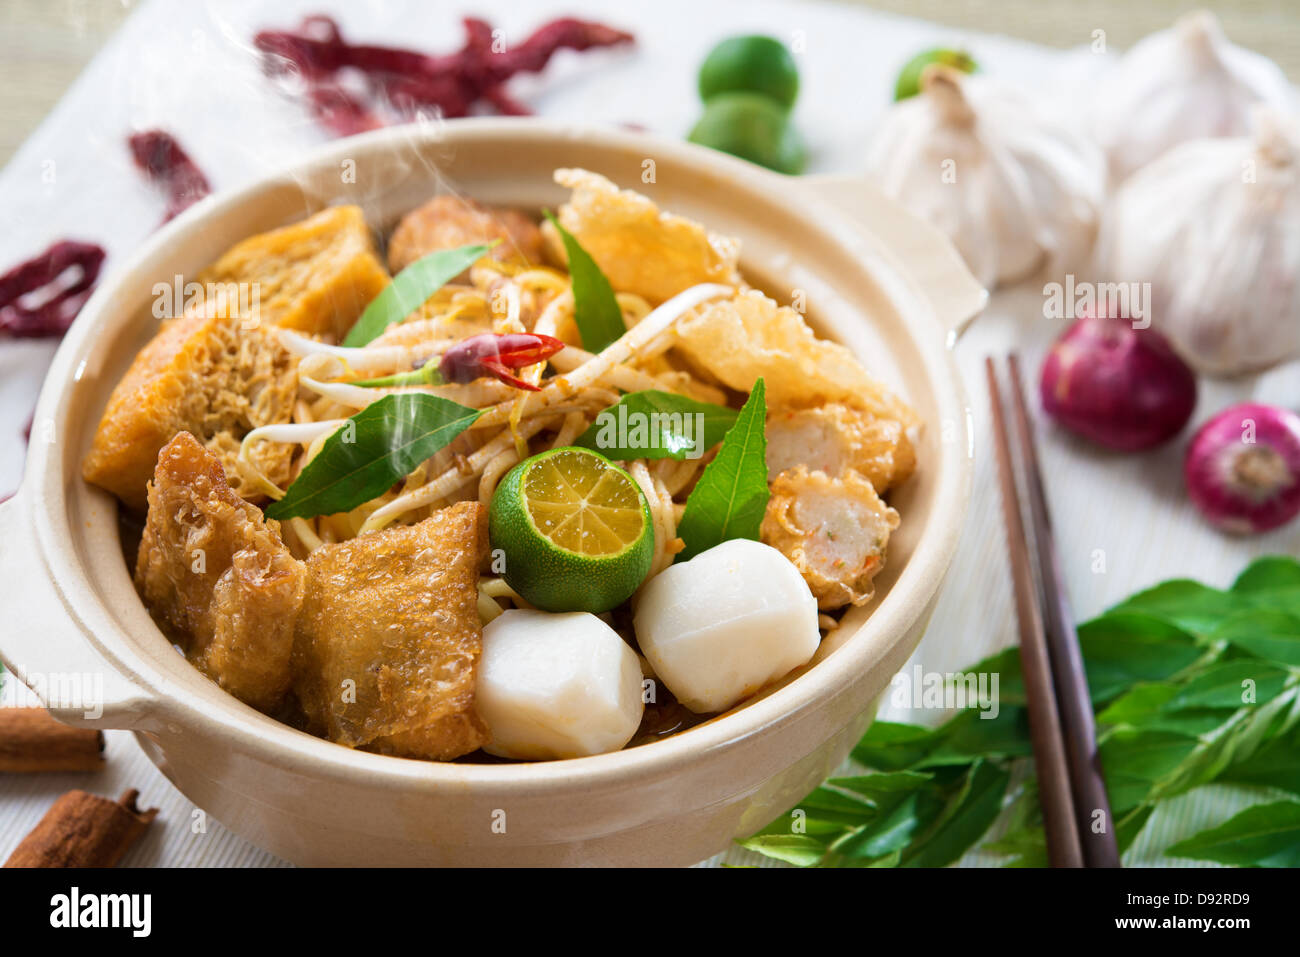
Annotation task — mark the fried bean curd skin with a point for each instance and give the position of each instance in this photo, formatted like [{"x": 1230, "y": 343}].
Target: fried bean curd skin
[
  {"x": 389, "y": 637},
  {"x": 217, "y": 576},
  {"x": 737, "y": 340},
  {"x": 315, "y": 276},
  {"x": 640, "y": 249},
  {"x": 446, "y": 222},
  {"x": 834, "y": 530},
  {"x": 207, "y": 374},
  {"x": 835, "y": 439}
]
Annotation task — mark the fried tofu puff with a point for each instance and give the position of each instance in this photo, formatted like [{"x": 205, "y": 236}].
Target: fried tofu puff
[
  {"x": 208, "y": 374},
  {"x": 640, "y": 249},
  {"x": 315, "y": 276},
  {"x": 218, "y": 577},
  {"x": 389, "y": 637},
  {"x": 834, "y": 530},
  {"x": 834, "y": 439},
  {"x": 446, "y": 222}
]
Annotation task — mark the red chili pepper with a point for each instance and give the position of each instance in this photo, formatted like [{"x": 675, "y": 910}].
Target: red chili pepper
[
  {"x": 162, "y": 160},
  {"x": 490, "y": 354},
  {"x": 33, "y": 303},
  {"x": 410, "y": 81}
]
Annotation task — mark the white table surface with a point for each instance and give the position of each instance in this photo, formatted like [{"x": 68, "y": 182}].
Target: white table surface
[{"x": 189, "y": 68}]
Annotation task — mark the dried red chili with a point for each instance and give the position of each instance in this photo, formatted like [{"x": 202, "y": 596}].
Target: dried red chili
[
  {"x": 40, "y": 298},
  {"x": 409, "y": 81},
  {"x": 161, "y": 159},
  {"x": 497, "y": 355}
]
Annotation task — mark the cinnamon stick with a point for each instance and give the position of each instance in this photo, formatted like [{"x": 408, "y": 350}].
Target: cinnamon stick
[
  {"x": 83, "y": 830},
  {"x": 32, "y": 741}
]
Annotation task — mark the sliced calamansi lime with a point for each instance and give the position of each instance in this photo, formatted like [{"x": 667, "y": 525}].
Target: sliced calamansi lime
[{"x": 575, "y": 531}]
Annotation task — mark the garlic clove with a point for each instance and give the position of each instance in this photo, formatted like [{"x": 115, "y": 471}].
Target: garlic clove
[
  {"x": 1188, "y": 82},
  {"x": 1213, "y": 226},
  {"x": 1014, "y": 191}
]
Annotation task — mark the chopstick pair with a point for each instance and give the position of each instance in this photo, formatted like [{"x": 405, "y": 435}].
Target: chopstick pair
[{"x": 1071, "y": 788}]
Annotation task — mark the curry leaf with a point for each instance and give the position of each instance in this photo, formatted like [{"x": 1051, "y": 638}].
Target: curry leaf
[
  {"x": 893, "y": 746},
  {"x": 1129, "y": 826},
  {"x": 656, "y": 425},
  {"x": 410, "y": 288},
  {"x": 1240, "y": 737},
  {"x": 964, "y": 820},
  {"x": 1265, "y": 835},
  {"x": 1265, "y": 633},
  {"x": 892, "y": 831},
  {"x": 373, "y": 449},
  {"x": 798, "y": 849},
  {"x": 1230, "y": 685},
  {"x": 1146, "y": 706},
  {"x": 1268, "y": 573},
  {"x": 1135, "y": 759},
  {"x": 1188, "y": 604},
  {"x": 975, "y": 733},
  {"x": 731, "y": 496},
  {"x": 1122, "y": 648},
  {"x": 1276, "y": 765},
  {"x": 595, "y": 308}
]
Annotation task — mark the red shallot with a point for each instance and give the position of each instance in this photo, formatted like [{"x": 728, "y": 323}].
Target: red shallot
[
  {"x": 1120, "y": 386},
  {"x": 1243, "y": 468}
]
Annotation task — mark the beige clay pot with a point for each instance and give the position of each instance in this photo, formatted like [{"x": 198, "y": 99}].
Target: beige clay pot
[{"x": 875, "y": 279}]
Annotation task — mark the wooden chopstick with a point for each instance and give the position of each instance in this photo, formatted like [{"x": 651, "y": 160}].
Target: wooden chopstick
[
  {"x": 1073, "y": 701},
  {"x": 1054, "y": 791}
]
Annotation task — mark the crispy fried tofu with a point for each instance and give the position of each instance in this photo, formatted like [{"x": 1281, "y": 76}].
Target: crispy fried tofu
[
  {"x": 640, "y": 249},
  {"x": 834, "y": 530},
  {"x": 217, "y": 577},
  {"x": 316, "y": 276},
  {"x": 208, "y": 374},
  {"x": 446, "y": 222},
  {"x": 389, "y": 637}
]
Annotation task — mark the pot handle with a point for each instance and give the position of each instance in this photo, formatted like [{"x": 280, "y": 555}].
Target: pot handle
[
  {"x": 43, "y": 644},
  {"x": 929, "y": 258}
]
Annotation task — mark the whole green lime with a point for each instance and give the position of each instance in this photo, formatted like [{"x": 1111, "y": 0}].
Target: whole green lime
[
  {"x": 750, "y": 64},
  {"x": 753, "y": 127},
  {"x": 575, "y": 530},
  {"x": 909, "y": 78}
]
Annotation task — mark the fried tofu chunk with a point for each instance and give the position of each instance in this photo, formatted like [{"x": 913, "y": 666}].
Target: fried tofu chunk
[
  {"x": 389, "y": 637},
  {"x": 217, "y": 577},
  {"x": 738, "y": 340},
  {"x": 834, "y": 530},
  {"x": 835, "y": 438},
  {"x": 446, "y": 222},
  {"x": 315, "y": 276},
  {"x": 212, "y": 375},
  {"x": 640, "y": 249}
]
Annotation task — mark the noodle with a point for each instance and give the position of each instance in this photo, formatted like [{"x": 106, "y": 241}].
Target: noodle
[
  {"x": 575, "y": 423},
  {"x": 450, "y": 480},
  {"x": 487, "y": 483}
]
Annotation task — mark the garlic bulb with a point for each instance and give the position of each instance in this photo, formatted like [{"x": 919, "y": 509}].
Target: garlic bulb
[
  {"x": 1214, "y": 227},
  {"x": 1188, "y": 82},
  {"x": 1016, "y": 193}
]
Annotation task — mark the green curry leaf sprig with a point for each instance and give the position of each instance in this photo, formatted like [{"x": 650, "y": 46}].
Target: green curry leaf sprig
[{"x": 1191, "y": 685}]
